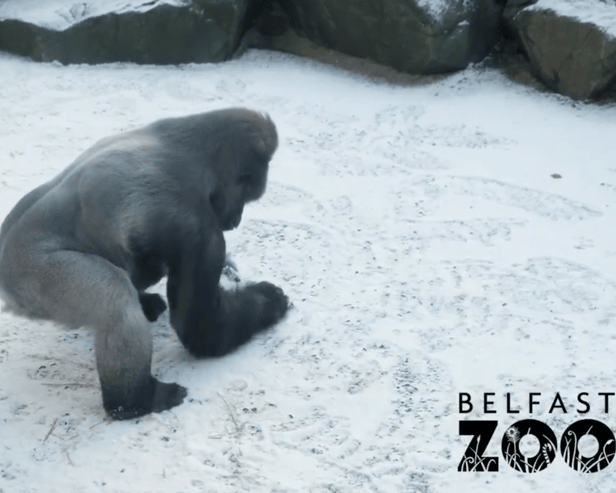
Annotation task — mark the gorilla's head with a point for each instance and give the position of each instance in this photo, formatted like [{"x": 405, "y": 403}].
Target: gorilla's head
[
  {"x": 243, "y": 164},
  {"x": 228, "y": 201}
]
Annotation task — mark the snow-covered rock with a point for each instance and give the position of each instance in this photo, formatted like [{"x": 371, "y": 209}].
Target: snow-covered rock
[
  {"x": 98, "y": 31},
  {"x": 570, "y": 43},
  {"x": 416, "y": 36}
]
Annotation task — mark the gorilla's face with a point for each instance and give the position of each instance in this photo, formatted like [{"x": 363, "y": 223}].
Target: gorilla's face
[
  {"x": 228, "y": 207},
  {"x": 232, "y": 219},
  {"x": 229, "y": 200}
]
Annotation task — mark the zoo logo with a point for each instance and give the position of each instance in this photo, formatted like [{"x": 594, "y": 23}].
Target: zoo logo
[{"x": 482, "y": 432}]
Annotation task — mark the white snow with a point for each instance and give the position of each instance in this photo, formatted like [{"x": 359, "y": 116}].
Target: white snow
[
  {"x": 438, "y": 9},
  {"x": 601, "y": 13},
  {"x": 425, "y": 245},
  {"x": 61, "y": 14}
]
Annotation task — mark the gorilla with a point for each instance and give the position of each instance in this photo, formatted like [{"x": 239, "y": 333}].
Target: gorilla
[{"x": 82, "y": 248}]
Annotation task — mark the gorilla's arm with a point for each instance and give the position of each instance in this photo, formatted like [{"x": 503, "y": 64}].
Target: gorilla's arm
[
  {"x": 209, "y": 320},
  {"x": 153, "y": 304}
]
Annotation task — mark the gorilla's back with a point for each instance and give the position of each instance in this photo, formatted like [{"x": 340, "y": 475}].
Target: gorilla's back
[{"x": 87, "y": 207}]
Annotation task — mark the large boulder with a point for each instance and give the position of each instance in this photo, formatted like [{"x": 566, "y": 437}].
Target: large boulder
[
  {"x": 414, "y": 36},
  {"x": 571, "y": 44},
  {"x": 97, "y": 31}
]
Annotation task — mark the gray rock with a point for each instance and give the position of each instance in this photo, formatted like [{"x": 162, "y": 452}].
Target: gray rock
[
  {"x": 163, "y": 31},
  {"x": 414, "y": 36},
  {"x": 571, "y": 44}
]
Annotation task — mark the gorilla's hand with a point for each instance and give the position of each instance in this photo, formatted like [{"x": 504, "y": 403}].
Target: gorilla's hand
[
  {"x": 152, "y": 305},
  {"x": 230, "y": 271},
  {"x": 240, "y": 313},
  {"x": 271, "y": 303}
]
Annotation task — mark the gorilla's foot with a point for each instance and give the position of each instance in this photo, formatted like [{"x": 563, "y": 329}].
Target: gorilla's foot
[{"x": 154, "y": 398}]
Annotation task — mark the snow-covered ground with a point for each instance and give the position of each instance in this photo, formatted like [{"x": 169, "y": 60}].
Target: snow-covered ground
[{"x": 435, "y": 238}]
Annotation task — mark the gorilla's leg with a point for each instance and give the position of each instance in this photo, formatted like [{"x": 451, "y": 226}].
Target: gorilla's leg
[
  {"x": 79, "y": 289},
  {"x": 22, "y": 206}
]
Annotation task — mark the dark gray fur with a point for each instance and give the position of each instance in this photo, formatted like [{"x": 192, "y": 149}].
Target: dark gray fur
[{"x": 82, "y": 248}]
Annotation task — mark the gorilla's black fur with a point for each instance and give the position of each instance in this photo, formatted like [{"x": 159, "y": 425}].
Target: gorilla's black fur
[{"x": 82, "y": 248}]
